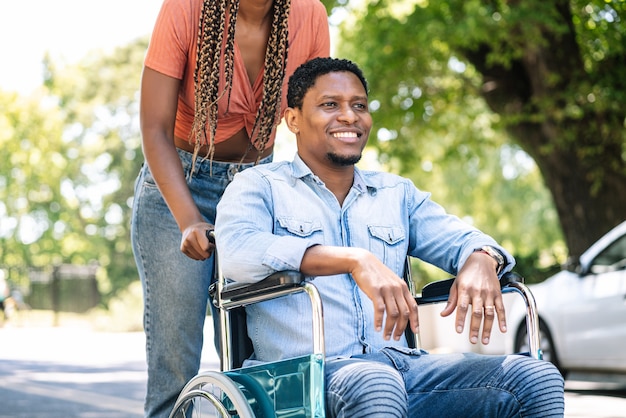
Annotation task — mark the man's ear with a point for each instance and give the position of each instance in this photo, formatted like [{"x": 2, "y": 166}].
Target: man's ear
[{"x": 291, "y": 118}]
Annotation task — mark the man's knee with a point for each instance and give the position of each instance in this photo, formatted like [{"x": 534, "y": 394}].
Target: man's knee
[
  {"x": 542, "y": 373},
  {"x": 366, "y": 389},
  {"x": 539, "y": 387}
]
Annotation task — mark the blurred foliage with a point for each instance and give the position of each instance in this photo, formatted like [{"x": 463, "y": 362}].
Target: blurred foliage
[
  {"x": 74, "y": 150},
  {"x": 512, "y": 114}
]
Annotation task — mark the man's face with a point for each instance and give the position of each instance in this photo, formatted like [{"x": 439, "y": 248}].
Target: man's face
[{"x": 334, "y": 122}]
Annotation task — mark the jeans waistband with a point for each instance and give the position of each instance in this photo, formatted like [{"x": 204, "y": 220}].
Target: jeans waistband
[{"x": 216, "y": 168}]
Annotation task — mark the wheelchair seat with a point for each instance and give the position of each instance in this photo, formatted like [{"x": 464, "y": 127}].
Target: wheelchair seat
[{"x": 292, "y": 387}]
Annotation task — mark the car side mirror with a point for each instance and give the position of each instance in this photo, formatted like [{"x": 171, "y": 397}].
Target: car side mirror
[{"x": 572, "y": 265}]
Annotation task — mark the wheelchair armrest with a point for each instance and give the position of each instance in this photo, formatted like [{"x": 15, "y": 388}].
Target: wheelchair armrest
[
  {"x": 279, "y": 281},
  {"x": 439, "y": 291},
  {"x": 240, "y": 295}
]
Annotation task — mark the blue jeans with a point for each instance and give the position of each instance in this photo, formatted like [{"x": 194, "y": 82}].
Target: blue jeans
[
  {"x": 175, "y": 287},
  {"x": 410, "y": 383}
]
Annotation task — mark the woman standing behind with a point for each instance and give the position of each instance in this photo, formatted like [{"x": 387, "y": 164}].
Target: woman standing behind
[{"x": 212, "y": 92}]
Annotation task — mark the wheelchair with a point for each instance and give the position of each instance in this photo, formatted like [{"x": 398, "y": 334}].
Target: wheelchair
[{"x": 293, "y": 387}]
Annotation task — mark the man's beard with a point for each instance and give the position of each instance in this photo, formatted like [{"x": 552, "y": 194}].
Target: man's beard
[{"x": 343, "y": 160}]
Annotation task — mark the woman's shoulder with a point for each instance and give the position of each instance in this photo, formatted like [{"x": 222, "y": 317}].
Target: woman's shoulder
[
  {"x": 307, "y": 7},
  {"x": 178, "y": 16},
  {"x": 184, "y": 9}
]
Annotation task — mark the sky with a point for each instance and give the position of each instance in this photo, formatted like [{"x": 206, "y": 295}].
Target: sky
[{"x": 67, "y": 30}]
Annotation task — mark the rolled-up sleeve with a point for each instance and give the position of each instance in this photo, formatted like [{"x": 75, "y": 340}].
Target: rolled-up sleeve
[{"x": 442, "y": 239}]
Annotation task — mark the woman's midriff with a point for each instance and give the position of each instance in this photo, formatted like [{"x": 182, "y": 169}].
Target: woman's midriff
[{"x": 232, "y": 150}]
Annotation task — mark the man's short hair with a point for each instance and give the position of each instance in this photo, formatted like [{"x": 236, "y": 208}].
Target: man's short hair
[{"x": 306, "y": 74}]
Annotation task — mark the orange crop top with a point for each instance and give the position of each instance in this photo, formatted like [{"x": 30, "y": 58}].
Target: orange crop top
[{"x": 172, "y": 51}]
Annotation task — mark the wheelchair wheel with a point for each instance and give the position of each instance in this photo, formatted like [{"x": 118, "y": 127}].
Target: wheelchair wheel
[
  {"x": 211, "y": 394},
  {"x": 545, "y": 342}
]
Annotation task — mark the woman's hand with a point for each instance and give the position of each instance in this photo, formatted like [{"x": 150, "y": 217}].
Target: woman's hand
[{"x": 195, "y": 244}]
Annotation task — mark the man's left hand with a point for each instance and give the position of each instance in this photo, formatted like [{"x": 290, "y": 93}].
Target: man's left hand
[{"x": 477, "y": 285}]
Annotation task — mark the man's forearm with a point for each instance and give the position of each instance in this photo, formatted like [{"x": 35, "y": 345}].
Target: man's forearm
[{"x": 324, "y": 260}]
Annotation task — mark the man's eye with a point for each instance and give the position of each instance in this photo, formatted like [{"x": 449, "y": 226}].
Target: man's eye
[
  {"x": 361, "y": 106},
  {"x": 329, "y": 104}
]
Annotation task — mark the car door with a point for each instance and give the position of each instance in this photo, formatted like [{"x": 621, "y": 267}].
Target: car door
[{"x": 595, "y": 324}]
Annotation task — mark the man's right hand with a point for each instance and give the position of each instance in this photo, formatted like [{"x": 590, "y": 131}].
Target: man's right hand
[{"x": 388, "y": 292}]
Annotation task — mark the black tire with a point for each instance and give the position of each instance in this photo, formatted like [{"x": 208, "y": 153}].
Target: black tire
[{"x": 546, "y": 344}]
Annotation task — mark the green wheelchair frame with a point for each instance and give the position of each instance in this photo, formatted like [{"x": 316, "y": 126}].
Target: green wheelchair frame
[{"x": 294, "y": 387}]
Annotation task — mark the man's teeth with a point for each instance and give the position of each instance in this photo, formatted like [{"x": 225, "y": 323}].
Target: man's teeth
[{"x": 345, "y": 135}]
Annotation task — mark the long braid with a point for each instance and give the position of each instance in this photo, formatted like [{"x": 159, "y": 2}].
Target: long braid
[
  {"x": 276, "y": 53},
  {"x": 207, "y": 72},
  {"x": 230, "y": 47}
]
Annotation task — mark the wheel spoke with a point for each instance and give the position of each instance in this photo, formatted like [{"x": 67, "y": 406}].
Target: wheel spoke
[{"x": 211, "y": 394}]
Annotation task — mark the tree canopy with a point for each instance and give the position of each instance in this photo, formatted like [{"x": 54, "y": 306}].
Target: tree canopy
[
  {"x": 511, "y": 114},
  {"x": 450, "y": 77},
  {"x": 73, "y": 151}
]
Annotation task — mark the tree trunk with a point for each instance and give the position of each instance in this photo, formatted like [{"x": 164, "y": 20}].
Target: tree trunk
[
  {"x": 589, "y": 191},
  {"x": 576, "y": 139}
]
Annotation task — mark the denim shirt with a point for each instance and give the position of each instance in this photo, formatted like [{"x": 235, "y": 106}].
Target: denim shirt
[{"x": 269, "y": 216}]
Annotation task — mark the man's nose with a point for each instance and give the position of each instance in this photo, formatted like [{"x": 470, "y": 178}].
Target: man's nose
[{"x": 347, "y": 114}]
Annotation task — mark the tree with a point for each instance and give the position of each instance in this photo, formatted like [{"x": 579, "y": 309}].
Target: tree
[
  {"x": 31, "y": 177},
  {"x": 99, "y": 100},
  {"x": 74, "y": 151},
  {"x": 549, "y": 73}
]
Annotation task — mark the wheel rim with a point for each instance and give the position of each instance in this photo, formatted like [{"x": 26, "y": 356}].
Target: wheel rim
[
  {"x": 200, "y": 403},
  {"x": 210, "y": 394}
]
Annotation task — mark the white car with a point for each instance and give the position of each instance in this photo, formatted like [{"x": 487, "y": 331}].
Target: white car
[{"x": 582, "y": 310}]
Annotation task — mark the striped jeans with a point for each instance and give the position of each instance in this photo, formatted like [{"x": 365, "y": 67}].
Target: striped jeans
[{"x": 410, "y": 383}]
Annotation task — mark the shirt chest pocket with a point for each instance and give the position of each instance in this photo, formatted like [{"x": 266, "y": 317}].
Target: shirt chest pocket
[
  {"x": 389, "y": 243},
  {"x": 298, "y": 227}
]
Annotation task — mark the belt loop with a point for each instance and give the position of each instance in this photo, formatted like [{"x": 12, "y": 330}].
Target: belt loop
[{"x": 232, "y": 170}]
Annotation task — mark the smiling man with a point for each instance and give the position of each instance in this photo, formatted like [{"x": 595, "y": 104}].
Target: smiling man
[{"x": 349, "y": 231}]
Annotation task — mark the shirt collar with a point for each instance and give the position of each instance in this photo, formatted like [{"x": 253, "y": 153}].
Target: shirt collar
[
  {"x": 361, "y": 183},
  {"x": 299, "y": 169}
]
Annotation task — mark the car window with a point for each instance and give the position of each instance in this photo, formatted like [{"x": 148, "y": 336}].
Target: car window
[{"x": 612, "y": 258}]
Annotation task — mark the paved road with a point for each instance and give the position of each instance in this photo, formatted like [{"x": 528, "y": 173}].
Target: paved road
[
  {"x": 73, "y": 373},
  {"x": 77, "y": 373}
]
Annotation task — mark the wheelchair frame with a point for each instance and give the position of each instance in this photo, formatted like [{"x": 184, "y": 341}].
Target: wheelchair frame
[{"x": 241, "y": 387}]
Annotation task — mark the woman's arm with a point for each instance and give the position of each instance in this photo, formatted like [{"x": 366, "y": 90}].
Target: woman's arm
[{"x": 158, "y": 103}]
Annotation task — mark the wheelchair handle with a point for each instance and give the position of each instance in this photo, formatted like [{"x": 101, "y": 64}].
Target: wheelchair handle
[{"x": 210, "y": 234}]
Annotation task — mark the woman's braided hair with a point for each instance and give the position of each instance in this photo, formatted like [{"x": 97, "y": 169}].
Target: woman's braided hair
[{"x": 208, "y": 69}]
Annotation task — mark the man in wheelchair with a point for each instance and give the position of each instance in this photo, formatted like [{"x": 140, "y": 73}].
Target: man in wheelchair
[{"x": 349, "y": 231}]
